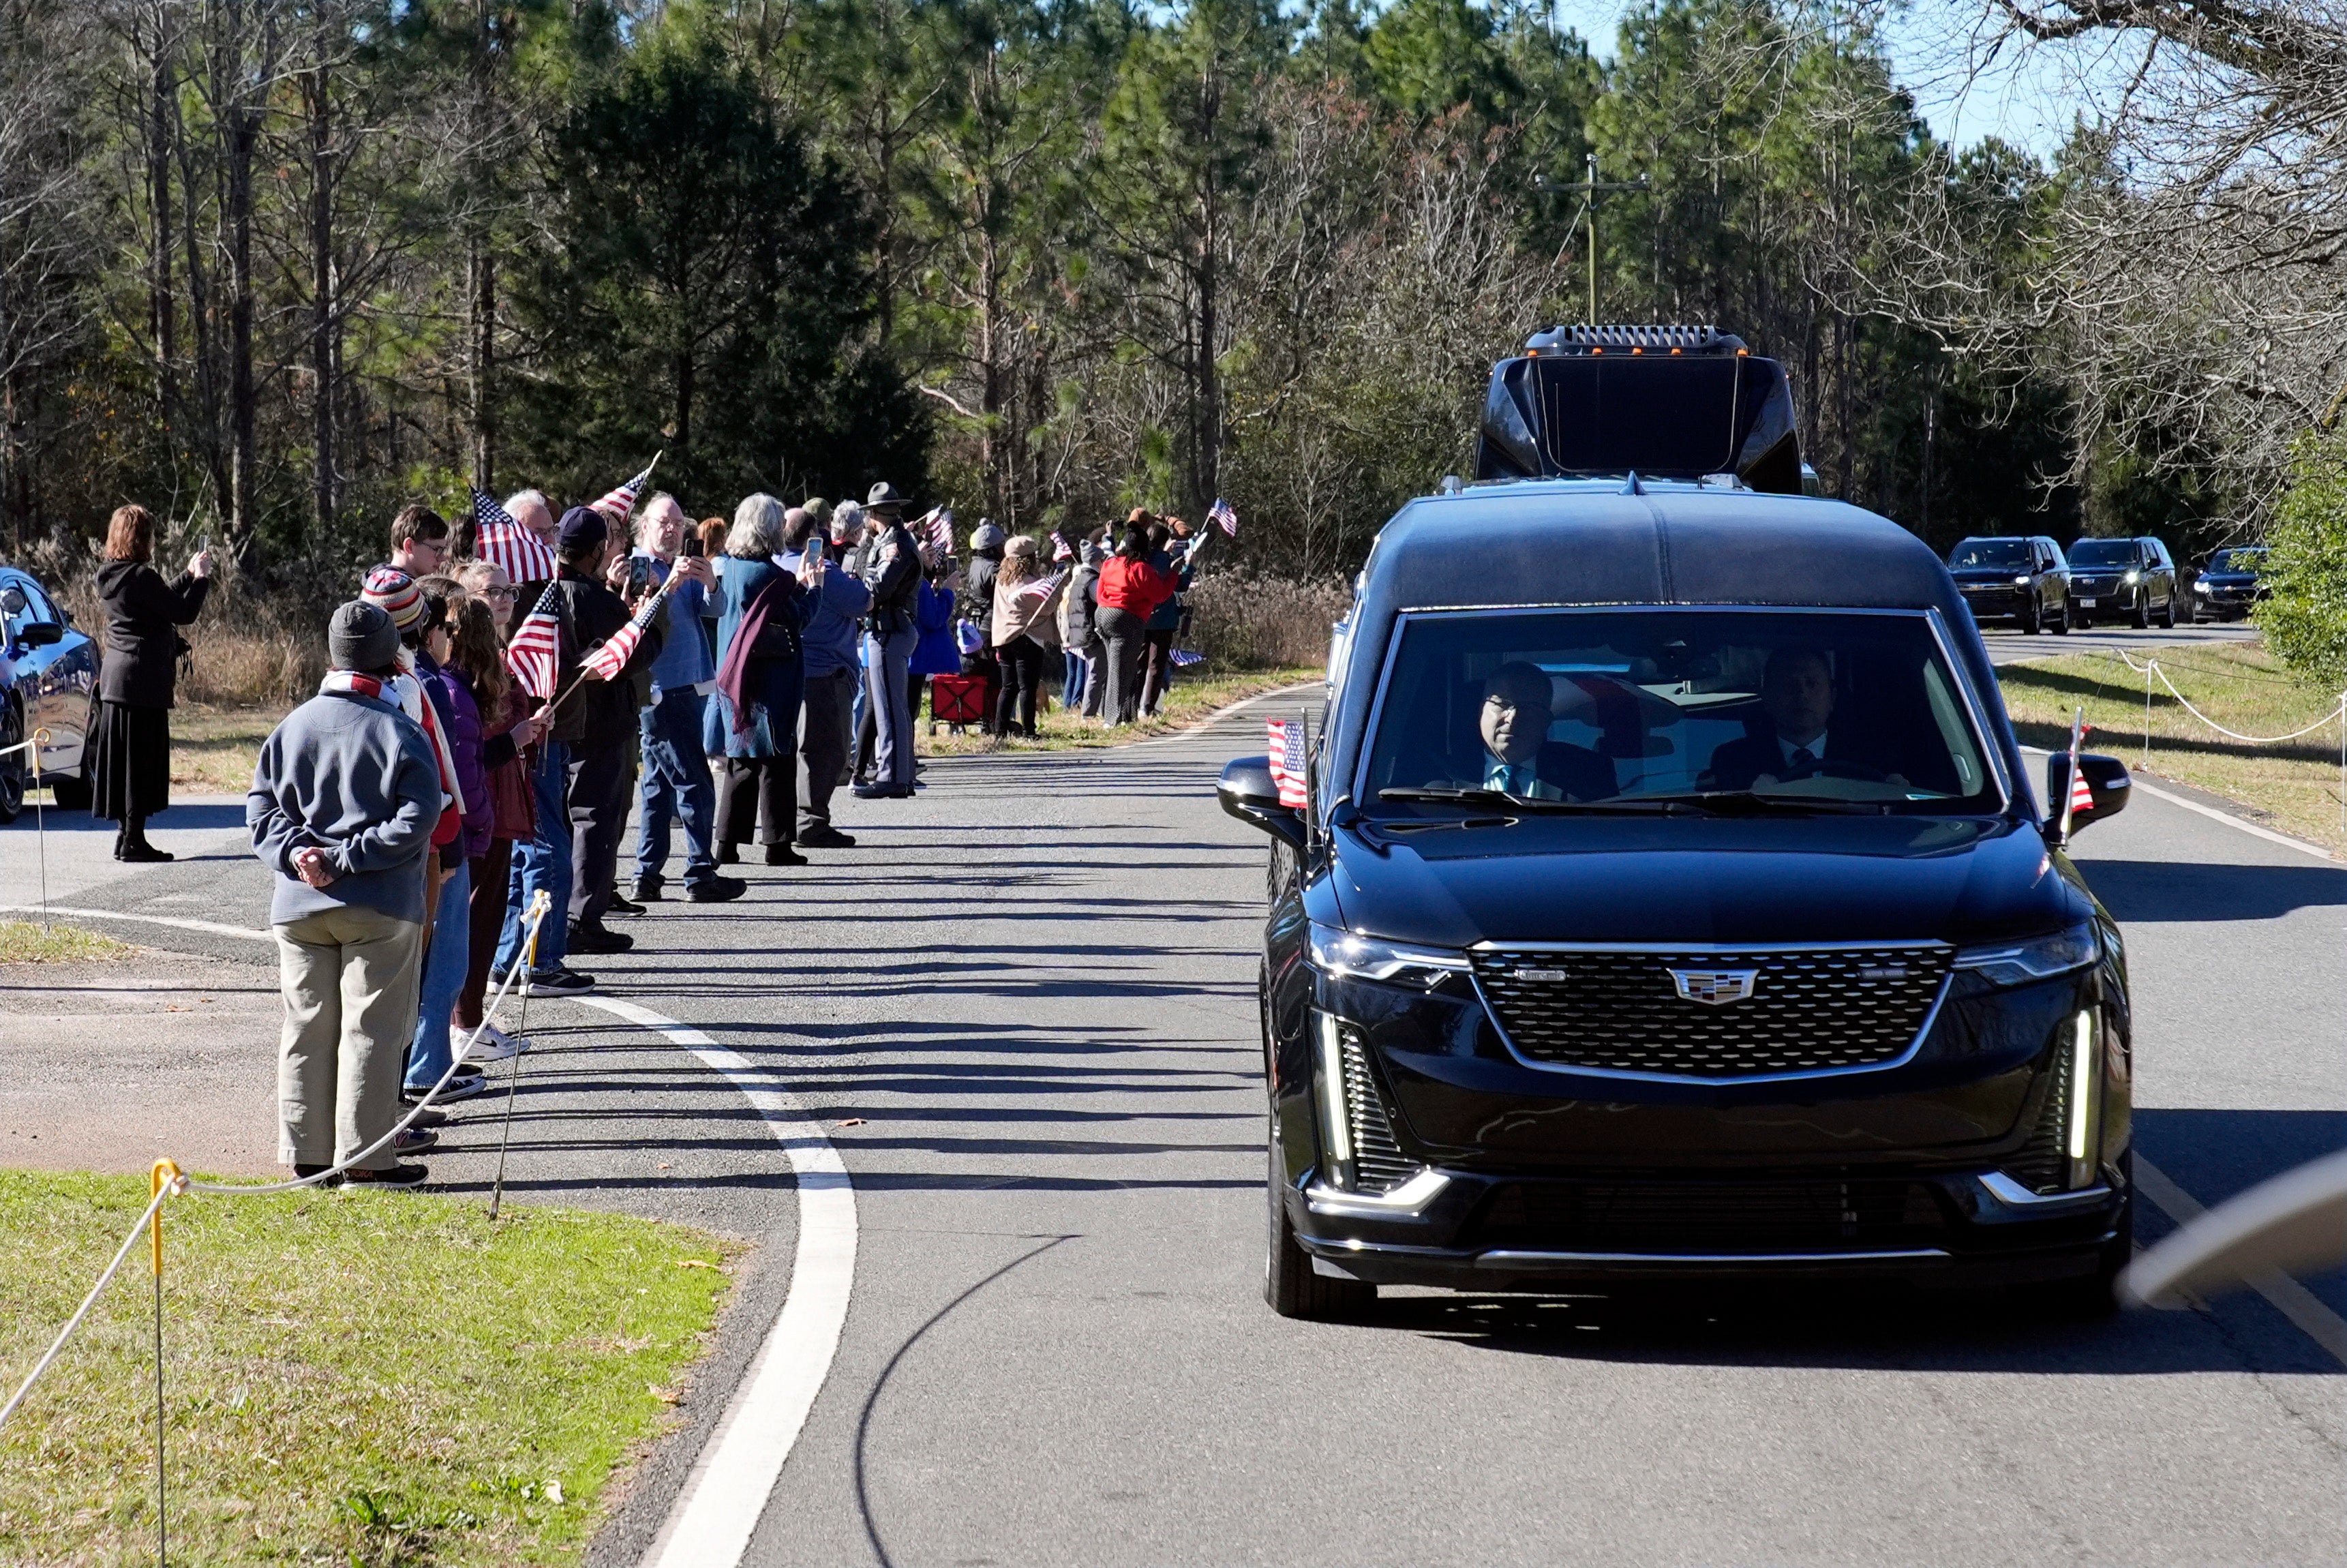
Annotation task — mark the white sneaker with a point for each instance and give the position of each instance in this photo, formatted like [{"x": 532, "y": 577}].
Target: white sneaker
[{"x": 495, "y": 1045}]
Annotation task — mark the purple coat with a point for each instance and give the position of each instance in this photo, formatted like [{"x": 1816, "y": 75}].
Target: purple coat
[{"x": 465, "y": 743}]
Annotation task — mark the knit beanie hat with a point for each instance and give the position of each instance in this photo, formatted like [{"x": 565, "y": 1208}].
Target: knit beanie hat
[
  {"x": 362, "y": 637},
  {"x": 986, "y": 536},
  {"x": 820, "y": 510},
  {"x": 394, "y": 593}
]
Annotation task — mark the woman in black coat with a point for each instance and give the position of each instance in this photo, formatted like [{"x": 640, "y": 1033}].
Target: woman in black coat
[{"x": 133, "y": 732}]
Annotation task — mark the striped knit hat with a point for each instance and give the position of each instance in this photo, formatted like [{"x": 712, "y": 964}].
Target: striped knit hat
[{"x": 395, "y": 594}]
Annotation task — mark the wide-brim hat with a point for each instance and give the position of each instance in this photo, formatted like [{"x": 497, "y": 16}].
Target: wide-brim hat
[{"x": 882, "y": 497}]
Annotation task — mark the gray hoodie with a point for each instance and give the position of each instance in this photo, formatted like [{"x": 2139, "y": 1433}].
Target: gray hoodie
[{"x": 354, "y": 776}]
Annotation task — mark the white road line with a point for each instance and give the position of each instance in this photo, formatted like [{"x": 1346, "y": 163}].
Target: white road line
[
  {"x": 2229, "y": 820},
  {"x": 212, "y": 927},
  {"x": 2288, "y": 1297},
  {"x": 2213, "y": 814},
  {"x": 726, "y": 1490}
]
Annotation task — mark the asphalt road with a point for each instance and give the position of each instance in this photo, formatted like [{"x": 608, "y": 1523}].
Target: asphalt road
[{"x": 1023, "y": 1012}]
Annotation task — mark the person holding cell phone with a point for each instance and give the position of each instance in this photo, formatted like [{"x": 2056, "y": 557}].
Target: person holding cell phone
[
  {"x": 132, "y": 736},
  {"x": 676, "y": 786}
]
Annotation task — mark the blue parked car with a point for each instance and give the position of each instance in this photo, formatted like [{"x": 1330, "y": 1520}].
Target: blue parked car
[{"x": 48, "y": 671}]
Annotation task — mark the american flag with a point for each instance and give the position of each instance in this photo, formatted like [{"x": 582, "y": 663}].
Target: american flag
[
  {"x": 1060, "y": 550},
  {"x": 2082, "y": 797},
  {"x": 505, "y": 543},
  {"x": 1223, "y": 517},
  {"x": 621, "y": 503},
  {"x": 1183, "y": 658},
  {"x": 535, "y": 652},
  {"x": 2079, "y": 797},
  {"x": 1287, "y": 742},
  {"x": 935, "y": 530},
  {"x": 605, "y": 662}
]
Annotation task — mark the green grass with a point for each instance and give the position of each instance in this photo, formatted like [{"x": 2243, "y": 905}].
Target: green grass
[
  {"x": 26, "y": 942},
  {"x": 2293, "y": 786},
  {"x": 351, "y": 1378},
  {"x": 1191, "y": 699},
  {"x": 214, "y": 747}
]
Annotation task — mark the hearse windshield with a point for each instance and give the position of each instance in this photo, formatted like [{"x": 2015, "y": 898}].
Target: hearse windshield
[
  {"x": 2105, "y": 552},
  {"x": 1676, "y": 711},
  {"x": 2012, "y": 555}
]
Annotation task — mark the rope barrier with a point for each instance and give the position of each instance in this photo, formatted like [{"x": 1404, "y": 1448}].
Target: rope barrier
[
  {"x": 168, "y": 1181},
  {"x": 2152, "y": 667}
]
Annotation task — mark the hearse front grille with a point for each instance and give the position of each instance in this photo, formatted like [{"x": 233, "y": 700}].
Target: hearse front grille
[
  {"x": 2042, "y": 1165},
  {"x": 1748, "y": 1216},
  {"x": 1800, "y": 1010},
  {"x": 1379, "y": 1163}
]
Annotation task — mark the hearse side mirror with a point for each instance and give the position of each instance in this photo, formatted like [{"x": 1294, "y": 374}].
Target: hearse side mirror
[
  {"x": 41, "y": 634},
  {"x": 2107, "y": 781},
  {"x": 1248, "y": 792}
]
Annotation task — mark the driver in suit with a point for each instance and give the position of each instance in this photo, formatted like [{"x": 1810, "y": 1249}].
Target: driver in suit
[
  {"x": 1518, "y": 756},
  {"x": 1797, "y": 693}
]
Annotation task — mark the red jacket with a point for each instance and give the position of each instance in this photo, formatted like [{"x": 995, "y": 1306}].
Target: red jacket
[{"x": 1134, "y": 585}]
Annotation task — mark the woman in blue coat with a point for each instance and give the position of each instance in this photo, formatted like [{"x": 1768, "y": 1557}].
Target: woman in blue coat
[
  {"x": 761, "y": 675},
  {"x": 936, "y": 654}
]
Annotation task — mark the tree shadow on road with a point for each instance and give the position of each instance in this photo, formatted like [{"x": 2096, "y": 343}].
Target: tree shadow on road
[{"x": 2139, "y": 892}]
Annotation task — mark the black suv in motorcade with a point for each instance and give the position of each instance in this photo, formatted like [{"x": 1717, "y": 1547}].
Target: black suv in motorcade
[
  {"x": 1667, "y": 900},
  {"x": 2229, "y": 586},
  {"x": 2024, "y": 578},
  {"x": 2134, "y": 578}
]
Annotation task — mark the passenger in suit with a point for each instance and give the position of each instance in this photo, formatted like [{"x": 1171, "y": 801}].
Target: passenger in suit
[
  {"x": 1797, "y": 693},
  {"x": 1518, "y": 756}
]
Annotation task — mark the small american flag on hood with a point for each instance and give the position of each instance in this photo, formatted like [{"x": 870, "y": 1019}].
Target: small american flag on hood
[{"x": 1287, "y": 759}]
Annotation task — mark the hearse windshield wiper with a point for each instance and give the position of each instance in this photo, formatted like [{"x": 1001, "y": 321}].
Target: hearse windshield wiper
[
  {"x": 1754, "y": 803},
  {"x": 1643, "y": 805}
]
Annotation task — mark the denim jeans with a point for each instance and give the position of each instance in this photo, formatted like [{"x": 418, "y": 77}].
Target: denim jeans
[
  {"x": 542, "y": 861},
  {"x": 444, "y": 963},
  {"x": 676, "y": 787},
  {"x": 1071, "y": 680}
]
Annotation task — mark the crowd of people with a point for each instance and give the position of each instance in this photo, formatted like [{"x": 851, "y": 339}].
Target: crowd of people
[{"x": 726, "y": 679}]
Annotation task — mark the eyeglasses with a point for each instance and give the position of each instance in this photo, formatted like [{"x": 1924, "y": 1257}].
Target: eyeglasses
[{"x": 500, "y": 593}]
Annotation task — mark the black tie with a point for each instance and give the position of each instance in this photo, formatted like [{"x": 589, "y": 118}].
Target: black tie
[{"x": 1804, "y": 758}]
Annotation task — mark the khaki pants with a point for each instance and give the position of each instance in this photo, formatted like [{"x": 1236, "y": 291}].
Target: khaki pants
[{"x": 350, "y": 981}]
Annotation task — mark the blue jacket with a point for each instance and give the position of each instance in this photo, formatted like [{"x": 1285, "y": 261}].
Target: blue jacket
[
  {"x": 936, "y": 654},
  {"x": 832, "y": 640},
  {"x": 777, "y": 686},
  {"x": 1175, "y": 558},
  {"x": 685, "y": 660}
]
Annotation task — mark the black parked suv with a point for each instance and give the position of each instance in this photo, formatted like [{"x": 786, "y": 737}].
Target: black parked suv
[
  {"x": 2133, "y": 578},
  {"x": 2023, "y": 578},
  {"x": 2229, "y": 586},
  {"x": 1668, "y": 902}
]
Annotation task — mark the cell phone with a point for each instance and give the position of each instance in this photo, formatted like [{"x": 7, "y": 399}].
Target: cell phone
[
  {"x": 640, "y": 573},
  {"x": 693, "y": 545}
]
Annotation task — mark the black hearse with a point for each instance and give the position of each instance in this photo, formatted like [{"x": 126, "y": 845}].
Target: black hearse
[{"x": 1670, "y": 902}]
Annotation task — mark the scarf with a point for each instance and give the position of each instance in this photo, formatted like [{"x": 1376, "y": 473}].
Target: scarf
[
  {"x": 733, "y": 672},
  {"x": 405, "y": 693}
]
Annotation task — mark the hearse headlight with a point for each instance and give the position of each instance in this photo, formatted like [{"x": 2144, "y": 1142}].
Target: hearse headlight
[
  {"x": 1352, "y": 957},
  {"x": 2038, "y": 959}
]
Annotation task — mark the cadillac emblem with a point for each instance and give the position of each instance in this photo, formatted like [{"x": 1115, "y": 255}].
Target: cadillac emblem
[{"x": 1715, "y": 987}]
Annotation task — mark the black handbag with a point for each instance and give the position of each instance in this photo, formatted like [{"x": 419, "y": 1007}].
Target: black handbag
[{"x": 778, "y": 634}]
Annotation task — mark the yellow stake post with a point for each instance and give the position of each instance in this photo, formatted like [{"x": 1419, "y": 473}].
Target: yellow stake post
[{"x": 165, "y": 1174}]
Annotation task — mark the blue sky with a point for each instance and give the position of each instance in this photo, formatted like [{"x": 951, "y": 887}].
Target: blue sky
[{"x": 2029, "y": 98}]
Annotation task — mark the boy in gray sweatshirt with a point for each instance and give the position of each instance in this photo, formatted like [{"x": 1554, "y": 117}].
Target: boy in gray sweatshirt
[{"x": 342, "y": 806}]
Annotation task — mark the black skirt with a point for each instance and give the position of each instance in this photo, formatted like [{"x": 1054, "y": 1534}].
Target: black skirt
[{"x": 131, "y": 772}]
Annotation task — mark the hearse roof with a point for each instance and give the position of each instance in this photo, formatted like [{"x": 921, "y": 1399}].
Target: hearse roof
[{"x": 1596, "y": 542}]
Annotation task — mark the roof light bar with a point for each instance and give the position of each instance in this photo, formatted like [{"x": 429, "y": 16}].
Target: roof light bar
[{"x": 1583, "y": 338}]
